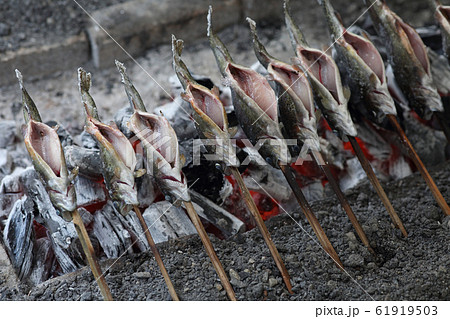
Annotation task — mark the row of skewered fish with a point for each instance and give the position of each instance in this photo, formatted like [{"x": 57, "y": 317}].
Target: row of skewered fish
[{"x": 265, "y": 114}]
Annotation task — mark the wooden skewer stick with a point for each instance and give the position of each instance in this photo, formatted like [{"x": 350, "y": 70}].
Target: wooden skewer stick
[
  {"x": 90, "y": 256},
  {"x": 418, "y": 162},
  {"x": 323, "y": 239},
  {"x": 210, "y": 250},
  {"x": 155, "y": 252},
  {"x": 262, "y": 228},
  {"x": 377, "y": 185},
  {"x": 342, "y": 199}
]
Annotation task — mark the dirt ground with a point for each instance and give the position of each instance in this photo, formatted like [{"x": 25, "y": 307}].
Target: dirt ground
[{"x": 413, "y": 268}]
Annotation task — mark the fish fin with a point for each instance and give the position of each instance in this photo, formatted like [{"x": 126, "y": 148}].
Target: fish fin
[
  {"x": 233, "y": 131},
  {"x": 140, "y": 172},
  {"x": 346, "y": 91},
  {"x": 56, "y": 127},
  {"x": 182, "y": 159},
  {"x": 184, "y": 96},
  {"x": 74, "y": 173},
  {"x": 209, "y": 135},
  {"x": 270, "y": 77},
  {"x": 215, "y": 90}
]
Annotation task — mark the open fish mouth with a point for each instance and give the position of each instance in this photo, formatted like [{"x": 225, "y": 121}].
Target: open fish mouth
[
  {"x": 44, "y": 142},
  {"x": 323, "y": 68},
  {"x": 297, "y": 82},
  {"x": 256, "y": 87},
  {"x": 114, "y": 140},
  {"x": 207, "y": 104}
]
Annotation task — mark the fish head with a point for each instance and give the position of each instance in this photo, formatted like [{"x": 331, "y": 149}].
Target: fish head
[
  {"x": 326, "y": 82},
  {"x": 46, "y": 152},
  {"x": 161, "y": 145}
]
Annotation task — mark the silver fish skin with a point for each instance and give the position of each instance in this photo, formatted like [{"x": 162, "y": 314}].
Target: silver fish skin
[
  {"x": 409, "y": 59},
  {"x": 209, "y": 113},
  {"x": 361, "y": 66},
  {"x": 254, "y": 102},
  {"x": 325, "y": 79},
  {"x": 47, "y": 155},
  {"x": 160, "y": 142},
  {"x": 295, "y": 97},
  {"x": 116, "y": 152}
]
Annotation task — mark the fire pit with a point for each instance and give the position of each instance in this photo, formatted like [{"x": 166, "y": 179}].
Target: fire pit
[{"x": 41, "y": 258}]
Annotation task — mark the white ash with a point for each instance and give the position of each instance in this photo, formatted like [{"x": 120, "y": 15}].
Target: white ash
[{"x": 88, "y": 192}]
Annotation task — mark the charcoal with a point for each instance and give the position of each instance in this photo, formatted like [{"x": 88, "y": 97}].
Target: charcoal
[
  {"x": 354, "y": 173},
  {"x": 65, "y": 262},
  {"x": 18, "y": 236},
  {"x": 121, "y": 119},
  {"x": 20, "y": 157},
  {"x": 62, "y": 232},
  {"x": 7, "y": 133},
  {"x": 134, "y": 227},
  {"x": 8, "y": 276},
  {"x": 11, "y": 183},
  {"x": 146, "y": 190},
  {"x": 313, "y": 191},
  {"x": 110, "y": 232},
  {"x": 268, "y": 179},
  {"x": 440, "y": 69},
  {"x": 87, "y": 141},
  {"x": 86, "y": 159},
  {"x": 88, "y": 192},
  {"x": 228, "y": 224},
  {"x": 5, "y": 162},
  {"x": 166, "y": 222},
  {"x": 43, "y": 261},
  {"x": 86, "y": 216}
]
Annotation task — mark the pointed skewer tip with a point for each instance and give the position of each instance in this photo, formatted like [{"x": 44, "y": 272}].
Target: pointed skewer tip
[
  {"x": 208, "y": 18},
  {"x": 20, "y": 78}
]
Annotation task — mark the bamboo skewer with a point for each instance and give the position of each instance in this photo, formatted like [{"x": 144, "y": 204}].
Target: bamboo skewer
[
  {"x": 90, "y": 256},
  {"x": 155, "y": 252},
  {"x": 210, "y": 249},
  {"x": 262, "y": 228},
  {"x": 418, "y": 162},
  {"x": 377, "y": 185},
  {"x": 342, "y": 199},
  {"x": 323, "y": 239}
]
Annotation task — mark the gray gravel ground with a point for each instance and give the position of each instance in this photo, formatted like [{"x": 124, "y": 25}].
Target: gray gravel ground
[{"x": 416, "y": 268}]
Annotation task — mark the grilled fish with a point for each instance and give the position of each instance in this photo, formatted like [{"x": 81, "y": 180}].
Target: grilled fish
[
  {"x": 409, "y": 59},
  {"x": 160, "y": 143},
  {"x": 209, "y": 113},
  {"x": 254, "y": 101},
  {"x": 116, "y": 152},
  {"x": 325, "y": 80},
  {"x": 362, "y": 68},
  {"x": 47, "y": 155},
  {"x": 295, "y": 97}
]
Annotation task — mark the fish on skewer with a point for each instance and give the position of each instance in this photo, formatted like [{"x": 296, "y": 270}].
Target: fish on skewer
[
  {"x": 409, "y": 59},
  {"x": 325, "y": 80},
  {"x": 47, "y": 155},
  {"x": 256, "y": 107},
  {"x": 362, "y": 69},
  {"x": 212, "y": 123},
  {"x": 118, "y": 167},
  {"x": 161, "y": 145},
  {"x": 442, "y": 15}
]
